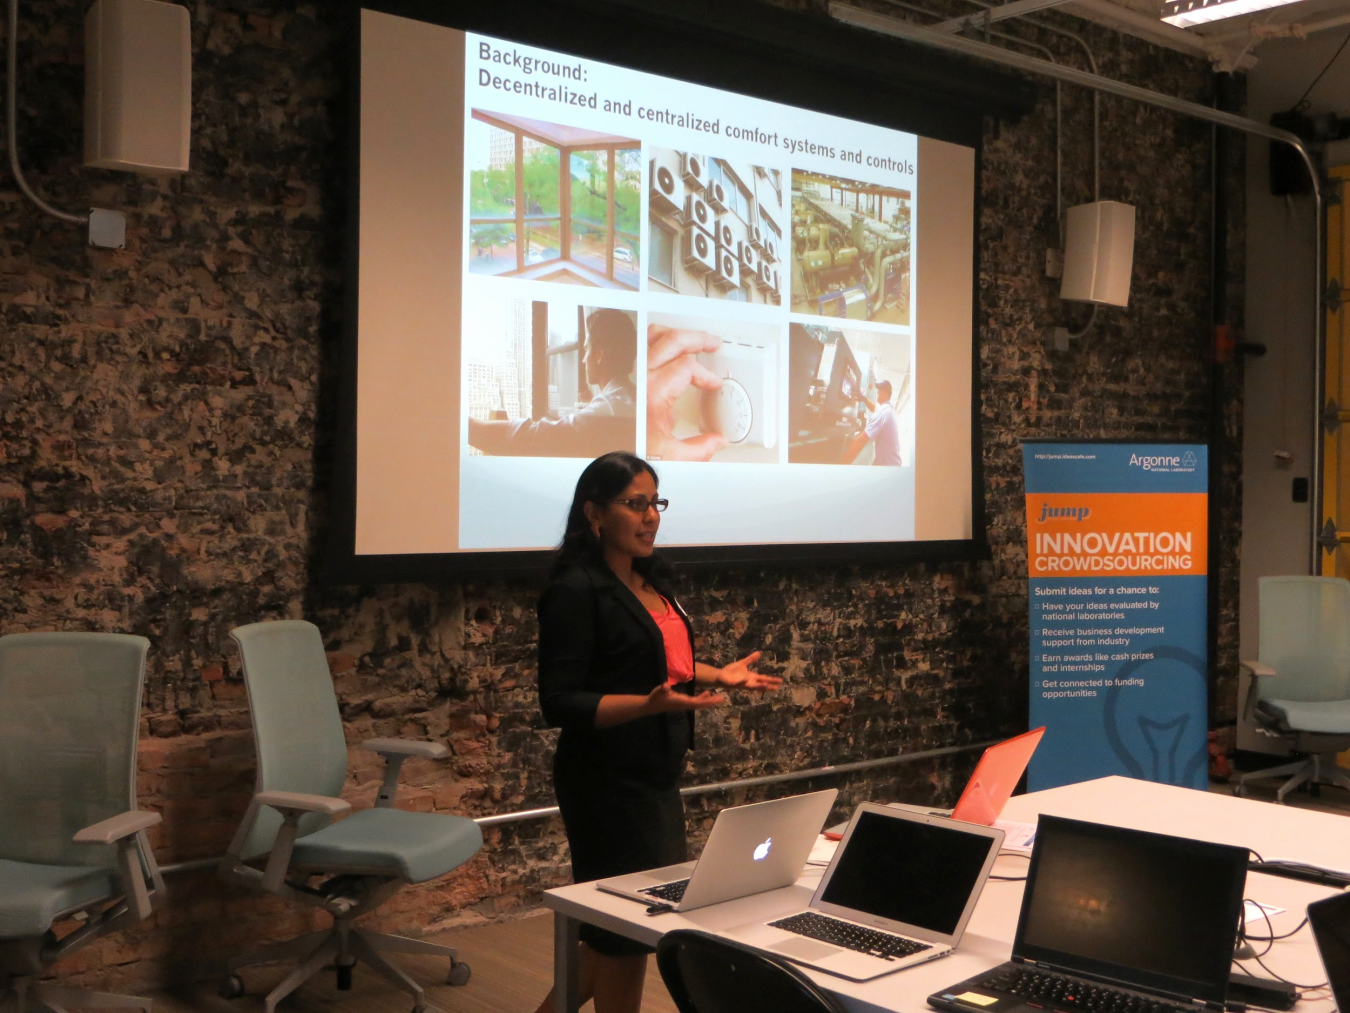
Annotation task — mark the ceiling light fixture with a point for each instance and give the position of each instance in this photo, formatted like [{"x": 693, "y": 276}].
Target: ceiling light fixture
[{"x": 1185, "y": 13}]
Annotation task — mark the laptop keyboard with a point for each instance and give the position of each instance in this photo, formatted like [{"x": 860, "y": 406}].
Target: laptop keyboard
[
  {"x": 850, "y": 936},
  {"x": 1065, "y": 993},
  {"x": 672, "y": 892}
]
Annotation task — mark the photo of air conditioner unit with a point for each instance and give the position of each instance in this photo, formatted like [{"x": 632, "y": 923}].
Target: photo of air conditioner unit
[
  {"x": 749, "y": 258},
  {"x": 723, "y": 233},
  {"x": 757, "y": 237},
  {"x": 697, "y": 212},
  {"x": 770, "y": 250},
  {"x": 664, "y": 189},
  {"x": 728, "y": 268},
  {"x": 700, "y": 255},
  {"x": 716, "y": 195},
  {"x": 694, "y": 170},
  {"x": 765, "y": 275},
  {"x": 775, "y": 291}
]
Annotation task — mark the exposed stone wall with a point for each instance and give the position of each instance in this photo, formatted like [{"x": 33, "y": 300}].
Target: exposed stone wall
[{"x": 166, "y": 413}]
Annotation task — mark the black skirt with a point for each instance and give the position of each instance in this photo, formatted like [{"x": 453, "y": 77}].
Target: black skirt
[{"x": 616, "y": 825}]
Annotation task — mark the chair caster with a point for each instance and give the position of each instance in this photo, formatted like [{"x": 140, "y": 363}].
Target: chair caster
[
  {"x": 231, "y": 988},
  {"x": 459, "y": 973},
  {"x": 1241, "y": 790},
  {"x": 344, "y": 977}
]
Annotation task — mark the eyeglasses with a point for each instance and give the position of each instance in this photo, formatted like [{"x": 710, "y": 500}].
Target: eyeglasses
[{"x": 641, "y": 504}]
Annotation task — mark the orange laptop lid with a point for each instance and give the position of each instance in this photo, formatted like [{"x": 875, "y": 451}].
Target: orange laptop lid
[{"x": 995, "y": 777}]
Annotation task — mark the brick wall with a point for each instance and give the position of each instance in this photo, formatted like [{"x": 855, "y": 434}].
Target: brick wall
[{"x": 166, "y": 413}]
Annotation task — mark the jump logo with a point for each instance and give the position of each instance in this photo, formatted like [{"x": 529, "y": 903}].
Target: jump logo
[{"x": 1069, "y": 512}]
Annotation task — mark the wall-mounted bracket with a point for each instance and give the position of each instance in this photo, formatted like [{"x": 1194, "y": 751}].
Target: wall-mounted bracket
[{"x": 1330, "y": 539}]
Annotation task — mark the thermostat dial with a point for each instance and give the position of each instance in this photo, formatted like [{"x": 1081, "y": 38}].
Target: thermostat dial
[{"x": 728, "y": 411}]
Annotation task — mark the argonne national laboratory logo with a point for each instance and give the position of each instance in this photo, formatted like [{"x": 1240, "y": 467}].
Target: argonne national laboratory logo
[{"x": 1164, "y": 462}]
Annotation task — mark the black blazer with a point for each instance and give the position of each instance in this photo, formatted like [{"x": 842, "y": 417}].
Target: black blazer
[{"x": 596, "y": 637}]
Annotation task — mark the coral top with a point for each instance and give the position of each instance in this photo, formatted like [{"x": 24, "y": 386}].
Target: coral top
[{"x": 679, "y": 653}]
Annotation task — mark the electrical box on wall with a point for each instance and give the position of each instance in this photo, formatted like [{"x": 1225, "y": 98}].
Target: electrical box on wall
[
  {"x": 1099, "y": 253},
  {"x": 138, "y": 86}
]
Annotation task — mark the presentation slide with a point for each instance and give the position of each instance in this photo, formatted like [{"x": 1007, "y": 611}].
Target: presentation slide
[{"x": 560, "y": 257}]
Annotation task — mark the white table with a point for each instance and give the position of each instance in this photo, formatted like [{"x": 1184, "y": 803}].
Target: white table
[{"x": 1274, "y": 831}]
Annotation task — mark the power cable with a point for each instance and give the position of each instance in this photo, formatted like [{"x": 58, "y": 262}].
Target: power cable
[{"x": 1339, "y": 49}]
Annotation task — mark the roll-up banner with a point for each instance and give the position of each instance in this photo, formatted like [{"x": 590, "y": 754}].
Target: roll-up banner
[{"x": 1117, "y": 551}]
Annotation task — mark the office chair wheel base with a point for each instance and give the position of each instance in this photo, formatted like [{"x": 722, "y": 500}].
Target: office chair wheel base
[
  {"x": 460, "y": 973},
  {"x": 232, "y": 987}
]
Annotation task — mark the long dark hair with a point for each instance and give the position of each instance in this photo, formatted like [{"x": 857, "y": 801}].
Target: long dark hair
[{"x": 601, "y": 481}]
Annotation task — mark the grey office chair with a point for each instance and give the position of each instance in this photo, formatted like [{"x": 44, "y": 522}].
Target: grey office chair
[
  {"x": 72, "y": 843},
  {"x": 707, "y": 974},
  {"x": 346, "y": 868},
  {"x": 1301, "y": 684}
]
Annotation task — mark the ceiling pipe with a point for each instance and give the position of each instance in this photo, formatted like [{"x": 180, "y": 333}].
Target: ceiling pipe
[
  {"x": 1015, "y": 9},
  {"x": 1155, "y": 30},
  {"x": 911, "y": 32},
  {"x": 1286, "y": 30}
]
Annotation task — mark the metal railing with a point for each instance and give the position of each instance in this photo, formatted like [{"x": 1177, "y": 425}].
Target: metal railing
[{"x": 547, "y": 812}]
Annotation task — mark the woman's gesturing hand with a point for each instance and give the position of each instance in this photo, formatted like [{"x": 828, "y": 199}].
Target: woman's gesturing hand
[
  {"x": 740, "y": 675},
  {"x": 664, "y": 698}
]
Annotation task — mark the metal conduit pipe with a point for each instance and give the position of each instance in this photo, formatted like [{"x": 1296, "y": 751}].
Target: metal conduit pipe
[
  {"x": 910, "y": 32},
  {"x": 11, "y": 131},
  {"x": 525, "y": 815},
  {"x": 1059, "y": 116},
  {"x": 1092, "y": 65}
]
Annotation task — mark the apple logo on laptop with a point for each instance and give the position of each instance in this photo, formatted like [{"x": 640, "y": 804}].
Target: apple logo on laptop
[{"x": 762, "y": 850}]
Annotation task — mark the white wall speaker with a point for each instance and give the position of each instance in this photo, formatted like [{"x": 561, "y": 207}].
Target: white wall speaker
[
  {"x": 1099, "y": 253},
  {"x": 137, "y": 86}
]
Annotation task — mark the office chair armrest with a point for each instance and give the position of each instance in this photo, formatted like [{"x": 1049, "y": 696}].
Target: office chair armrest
[
  {"x": 300, "y": 802},
  {"x": 1257, "y": 671},
  {"x": 114, "y": 828},
  {"x": 135, "y": 860},
  {"x": 291, "y": 805},
  {"x": 407, "y": 747},
  {"x": 395, "y": 751}
]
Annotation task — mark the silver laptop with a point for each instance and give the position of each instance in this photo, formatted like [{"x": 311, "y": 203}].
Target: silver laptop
[
  {"x": 899, "y": 892},
  {"x": 752, "y": 848}
]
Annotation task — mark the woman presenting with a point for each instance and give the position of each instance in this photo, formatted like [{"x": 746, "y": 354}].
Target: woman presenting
[{"x": 617, "y": 675}]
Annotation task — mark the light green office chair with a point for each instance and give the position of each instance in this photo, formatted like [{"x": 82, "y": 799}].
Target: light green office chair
[
  {"x": 72, "y": 844},
  {"x": 1301, "y": 684},
  {"x": 346, "y": 868}
]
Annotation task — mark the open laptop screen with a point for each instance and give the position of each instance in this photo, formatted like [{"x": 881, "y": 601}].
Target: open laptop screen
[
  {"x": 1330, "y": 920},
  {"x": 908, "y": 871},
  {"x": 1150, "y": 910}
]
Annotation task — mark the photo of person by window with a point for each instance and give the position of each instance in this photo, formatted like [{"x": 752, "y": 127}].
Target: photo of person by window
[{"x": 555, "y": 380}]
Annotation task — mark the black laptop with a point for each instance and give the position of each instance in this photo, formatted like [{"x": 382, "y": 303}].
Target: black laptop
[
  {"x": 1330, "y": 920},
  {"x": 1115, "y": 921}
]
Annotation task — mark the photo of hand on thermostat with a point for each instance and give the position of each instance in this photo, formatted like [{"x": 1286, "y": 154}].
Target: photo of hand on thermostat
[{"x": 712, "y": 390}]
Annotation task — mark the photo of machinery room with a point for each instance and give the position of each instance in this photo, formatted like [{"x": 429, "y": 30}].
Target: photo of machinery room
[
  {"x": 850, "y": 248},
  {"x": 716, "y": 228},
  {"x": 553, "y": 203},
  {"x": 850, "y": 396},
  {"x": 549, "y": 379}
]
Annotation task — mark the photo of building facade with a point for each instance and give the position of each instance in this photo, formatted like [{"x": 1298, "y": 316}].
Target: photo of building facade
[{"x": 716, "y": 228}]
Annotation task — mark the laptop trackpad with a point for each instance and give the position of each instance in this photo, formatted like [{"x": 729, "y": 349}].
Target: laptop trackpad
[
  {"x": 805, "y": 949},
  {"x": 670, "y": 872}
]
